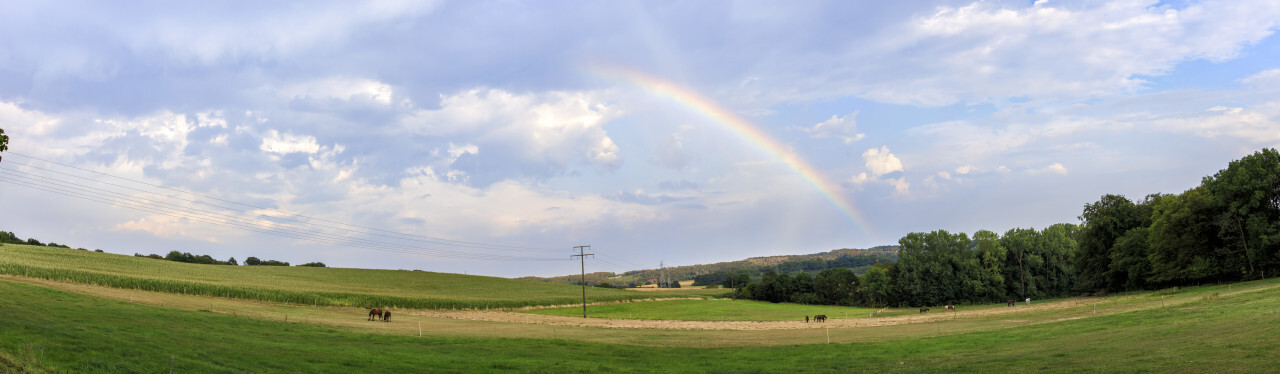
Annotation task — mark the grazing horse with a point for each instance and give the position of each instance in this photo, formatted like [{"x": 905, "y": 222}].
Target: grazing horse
[
  {"x": 951, "y": 308},
  {"x": 820, "y": 318},
  {"x": 375, "y": 313},
  {"x": 1028, "y": 301},
  {"x": 1011, "y": 302},
  {"x": 386, "y": 316},
  {"x": 924, "y": 310},
  {"x": 806, "y": 318}
]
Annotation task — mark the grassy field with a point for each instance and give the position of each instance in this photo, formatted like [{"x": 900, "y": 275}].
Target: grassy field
[
  {"x": 1210, "y": 329},
  {"x": 308, "y": 285},
  {"x": 709, "y": 310}
]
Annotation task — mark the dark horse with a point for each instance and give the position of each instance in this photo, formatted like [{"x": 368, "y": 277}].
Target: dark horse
[
  {"x": 386, "y": 316},
  {"x": 820, "y": 318},
  {"x": 1011, "y": 302},
  {"x": 375, "y": 313},
  {"x": 924, "y": 310}
]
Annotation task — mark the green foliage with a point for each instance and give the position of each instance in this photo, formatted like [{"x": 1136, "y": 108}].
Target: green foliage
[
  {"x": 311, "y": 264},
  {"x": 1105, "y": 221},
  {"x": 254, "y": 261},
  {"x": 4, "y": 141},
  {"x": 1247, "y": 193}
]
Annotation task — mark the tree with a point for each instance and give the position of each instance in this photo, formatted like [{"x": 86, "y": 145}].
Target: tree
[
  {"x": 1248, "y": 193},
  {"x": 877, "y": 285},
  {"x": 4, "y": 142},
  {"x": 252, "y": 261},
  {"x": 1104, "y": 222},
  {"x": 991, "y": 257},
  {"x": 316, "y": 264},
  {"x": 838, "y": 286},
  {"x": 1130, "y": 262},
  {"x": 1184, "y": 241},
  {"x": 935, "y": 268},
  {"x": 1022, "y": 261},
  {"x": 232, "y": 262}
]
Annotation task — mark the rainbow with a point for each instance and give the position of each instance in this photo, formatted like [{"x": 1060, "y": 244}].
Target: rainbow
[{"x": 748, "y": 131}]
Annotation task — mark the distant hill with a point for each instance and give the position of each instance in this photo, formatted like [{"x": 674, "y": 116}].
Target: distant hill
[{"x": 859, "y": 260}]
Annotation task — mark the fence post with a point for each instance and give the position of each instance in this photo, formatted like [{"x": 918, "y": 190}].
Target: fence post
[
  {"x": 419, "y": 328},
  {"x": 171, "y": 364}
]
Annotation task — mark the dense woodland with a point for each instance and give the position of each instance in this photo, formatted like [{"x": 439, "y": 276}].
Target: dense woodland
[{"x": 1225, "y": 229}]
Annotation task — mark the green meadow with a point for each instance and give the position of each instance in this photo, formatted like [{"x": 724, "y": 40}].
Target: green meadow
[
  {"x": 302, "y": 285},
  {"x": 1200, "y": 330}
]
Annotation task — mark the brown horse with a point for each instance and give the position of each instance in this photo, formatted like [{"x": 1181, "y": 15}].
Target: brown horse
[
  {"x": 924, "y": 310},
  {"x": 1011, "y": 302},
  {"x": 386, "y": 316},
  {"x": 375, "y": 313},
  {"x": 820, "y": 318},
  {"x": 951, "y": 308}
]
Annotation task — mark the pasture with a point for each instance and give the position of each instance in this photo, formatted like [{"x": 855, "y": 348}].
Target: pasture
[
  {"x": 301, "y": 285},
  {"x": 709, "y": 310},
  {"x": 87, "y": 328}
]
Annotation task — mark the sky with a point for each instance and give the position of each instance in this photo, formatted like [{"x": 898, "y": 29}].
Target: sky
[{"x": 492, "y": 137}]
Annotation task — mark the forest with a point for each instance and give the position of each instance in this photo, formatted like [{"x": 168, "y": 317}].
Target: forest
[{"x": 1225, "y": 229}]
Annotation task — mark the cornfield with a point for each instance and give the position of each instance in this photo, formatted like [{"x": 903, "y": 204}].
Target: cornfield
[{"x": 295, "y": 285}]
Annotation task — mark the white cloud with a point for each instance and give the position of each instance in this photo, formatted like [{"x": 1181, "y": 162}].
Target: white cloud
[
  {"x": 900, "y": 185},
  {"x": 1266, "y": 79},
  {"x": 1055, "y": 168},
  {"x": 554, "y": 128},
  {"x": 858, "y": 179},
  {"x": 966, "y": 169},
  {"x": 944, "y": 175},
  {"x": 349, "y": 89},
  {"x": 985, "y": 51},
  {"x": 880, "y": 162},
  {"x": 275, "y": 142},
  {"x": 845, "y": 128}
]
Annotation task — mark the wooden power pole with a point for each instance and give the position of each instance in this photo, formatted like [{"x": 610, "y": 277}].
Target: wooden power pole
[{"x": 582, "y": 258}]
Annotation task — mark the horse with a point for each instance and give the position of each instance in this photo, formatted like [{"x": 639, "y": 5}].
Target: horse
[
  {"x": 924, "y": 310},
  {"x": 386, "y": 316},
  {"x": 1028, "y": 301},
  {"x": 375, "y": 312},
  {"x": 1011, "y": 302},
  {"x": 951, "y": 308},
  {"x": 820, "y": 318},
  {"x": 806, "y": 318}
]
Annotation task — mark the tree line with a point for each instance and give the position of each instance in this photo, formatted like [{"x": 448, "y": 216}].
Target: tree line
[
  {"x": 1225, "y": 229},
  {"x": 8, "y": 237}
]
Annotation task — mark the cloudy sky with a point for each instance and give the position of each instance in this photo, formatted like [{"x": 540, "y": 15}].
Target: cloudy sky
[{"x": 490, "y": 137}]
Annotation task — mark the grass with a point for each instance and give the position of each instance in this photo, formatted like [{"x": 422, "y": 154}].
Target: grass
[
  {"x": 1201, "y": 330},
  {"x": 317, "y": 286},
  {"x": 709, "y": 310}
]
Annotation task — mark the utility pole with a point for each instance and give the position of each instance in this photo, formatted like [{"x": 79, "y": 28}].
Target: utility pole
[{"x": 582, "y": 257}]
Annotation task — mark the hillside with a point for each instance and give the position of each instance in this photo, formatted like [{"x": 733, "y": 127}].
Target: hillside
[
  {"x": 857, "y": 259},
  {"x": 309, "y": 285}
]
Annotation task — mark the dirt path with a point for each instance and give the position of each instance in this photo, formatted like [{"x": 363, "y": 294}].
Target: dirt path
[{"x": 513, "y": 317}]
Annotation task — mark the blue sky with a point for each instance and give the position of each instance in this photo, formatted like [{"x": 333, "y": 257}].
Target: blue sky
[{"x": 494, "y": 135}]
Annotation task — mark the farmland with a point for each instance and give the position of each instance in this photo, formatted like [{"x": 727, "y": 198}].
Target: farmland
[
  {"x": 316, "y": 286},
  {"x": 92, "y": 328},
  {"x": 57, "y": 324}
]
